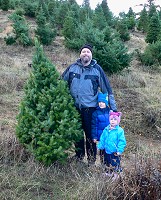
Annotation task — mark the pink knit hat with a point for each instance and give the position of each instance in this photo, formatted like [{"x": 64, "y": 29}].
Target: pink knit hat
[{"x": 116, "y": 115}]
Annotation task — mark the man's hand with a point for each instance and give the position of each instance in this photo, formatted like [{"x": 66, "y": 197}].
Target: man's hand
[{"x": 94, "y": 140}]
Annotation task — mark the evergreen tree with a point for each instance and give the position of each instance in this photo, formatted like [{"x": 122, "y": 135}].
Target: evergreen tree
[
  {"x": 107, "y": 13},
  {"x": 42, "y": 5},
  {"x": 154, "y": 29},
  {"x": 123, "y": 30},
  {"x": 69, "y": 26},
  {"x": 20, "y": 29},
  {"x": 99, "y": 19},
  {"x": 130, "y": 13},
  {"x": 48, "y": 123},
  {"x": 5, "y": 4},
  {"x": 143, "y": 21},
  {"x": 152, "y": 11},
  {"x": 130, "y": 18},
  {"x": 85, "y": 11},
  {"x": 61, "y": 12},
  {"x": 113, "y": 56},
  {"x": 44, "y": 31}
]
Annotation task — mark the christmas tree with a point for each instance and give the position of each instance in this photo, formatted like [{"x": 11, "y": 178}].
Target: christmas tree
[{"x": 48, "y": 123}]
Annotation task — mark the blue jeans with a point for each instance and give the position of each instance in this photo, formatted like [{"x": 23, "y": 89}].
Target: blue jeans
[{"x": 112, "y": 162}]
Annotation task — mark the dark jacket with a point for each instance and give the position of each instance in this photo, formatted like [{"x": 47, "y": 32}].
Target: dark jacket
[
  {"x": 100, "y": 119},
  {"x": 84, "y": 83}
]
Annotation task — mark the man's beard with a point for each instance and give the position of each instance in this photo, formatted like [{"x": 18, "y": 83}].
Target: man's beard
[{"x": 85, "y": 60}]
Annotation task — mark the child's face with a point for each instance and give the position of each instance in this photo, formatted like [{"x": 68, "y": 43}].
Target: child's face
[
  {"x": 102, "y": 104},
  {"x": 113, "y": 121}
]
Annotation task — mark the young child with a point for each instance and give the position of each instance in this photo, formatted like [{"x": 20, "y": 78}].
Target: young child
[
  {"x": 113, "y": 141},
  {"x": 100, "y": 119}
]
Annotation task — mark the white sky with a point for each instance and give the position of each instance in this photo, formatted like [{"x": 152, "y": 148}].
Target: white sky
[{"x": 117, "y": 6}]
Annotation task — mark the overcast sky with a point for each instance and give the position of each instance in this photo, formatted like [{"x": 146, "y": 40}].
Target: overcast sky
[{"x": 117, "y": 6}]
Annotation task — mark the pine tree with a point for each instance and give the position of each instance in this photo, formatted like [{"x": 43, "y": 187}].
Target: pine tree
[
  {"x": 85, "y": 11},
  {"x": 154, "y": 29},
  {"x": 131, "y": 22},
  {"x": 152, "y": 11},
  {"x": 123, "y": 30},
  {"x": 143, "y": 21},
  {"x": 107, "y": 13},
  {"x": 44, "y": 31},
  {"x": 99, "y": 19},
  {"x": 20, "y": 29},
  {"x": 48, "y": 123},
  {"x": 4, "y": 5},
  {"x": 69, "y": 27}
]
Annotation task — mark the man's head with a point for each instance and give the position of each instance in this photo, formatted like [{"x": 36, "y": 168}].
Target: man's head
[{"x": 86, "y": 54}]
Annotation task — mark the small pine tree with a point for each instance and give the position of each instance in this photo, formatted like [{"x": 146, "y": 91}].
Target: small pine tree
[
  {"x": 48, "y": 122},
  {"x": 154, "y": 29},
  {"x": 123, "y": 30},
  {"x": 107, "y": 13},
  {"x": 44, "y": 31},
  {"x": 69, "y": 27},
  {"x": 4, "y": 5},
  {"x": 20, "y": 29},
  {"x": 99, "y": 19},
  {"x": 143, "y": 21}
]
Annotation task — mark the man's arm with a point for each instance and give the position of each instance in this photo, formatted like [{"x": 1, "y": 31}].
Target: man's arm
[{"x": 106, "y": 88}]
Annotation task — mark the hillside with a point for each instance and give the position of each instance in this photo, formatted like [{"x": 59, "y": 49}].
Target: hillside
[
  {"x": 135, "y": 89},
  {"x": 137, "y": 92}
]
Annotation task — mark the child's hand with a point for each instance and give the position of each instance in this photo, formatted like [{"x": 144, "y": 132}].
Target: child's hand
[
  {"x": 94, "y": 140},
  {"x": 117, "y": 153}
]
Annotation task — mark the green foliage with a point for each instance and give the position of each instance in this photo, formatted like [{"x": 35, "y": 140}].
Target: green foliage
[
  {"x": 107, "y": 13},
  {"x": 85, "y": 33},
  {"x": 131, "y": 22},
  {"x": 30, "y": 8},
  {"x": 21, "y": 29},
  {"x": 154, "y": 29},
  {"x": 113, "y": 57},
  {"x": 14, "y": 4},
  {"x": 99, "y": 19},
  {"x": 70, "y": 25},
  {"x": 44, "y": 31},
  {"x": 143, "y": 21},
  {"x": 123, "y": 30},
  {"x": 152, "y": 54},
  {"x": 5, "y": 4},
  {"x": 109, "y": 50},
  {"x": 48, "y": 122},
  {"x": 10, "y": 39}
]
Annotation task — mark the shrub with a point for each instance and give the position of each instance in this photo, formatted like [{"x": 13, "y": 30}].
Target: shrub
[
  {"x": 21, "y": 29},
  {"x": 10, "y": 39},
  {"x": 152, "y": 54}
]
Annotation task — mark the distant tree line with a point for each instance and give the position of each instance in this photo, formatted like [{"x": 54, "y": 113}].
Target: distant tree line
[{"x": 80, "y": 24}]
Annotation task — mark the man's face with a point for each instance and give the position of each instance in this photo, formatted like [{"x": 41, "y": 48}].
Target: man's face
[{"x": 86, "y": 56}]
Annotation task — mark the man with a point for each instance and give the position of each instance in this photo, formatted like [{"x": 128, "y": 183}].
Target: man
[{"x": 85, "y": 79}]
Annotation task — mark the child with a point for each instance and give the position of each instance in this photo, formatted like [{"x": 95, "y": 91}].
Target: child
[
  {"x": 113, "y": 141},
  {"x": 100, "y": 119}
]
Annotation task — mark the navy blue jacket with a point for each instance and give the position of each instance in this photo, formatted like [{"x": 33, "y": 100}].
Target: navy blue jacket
[{"x": 100, "y": 120}]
